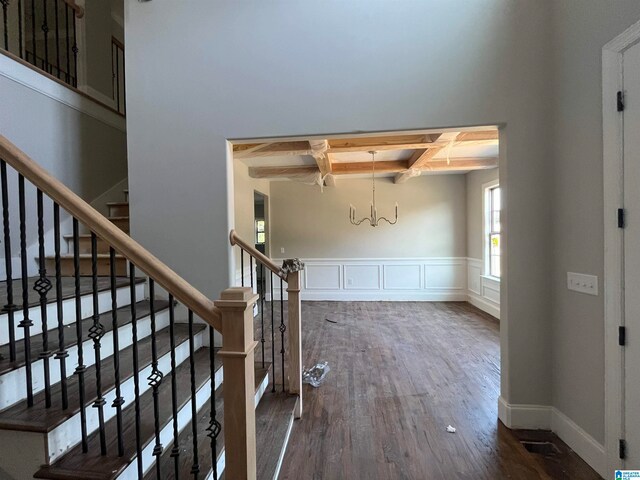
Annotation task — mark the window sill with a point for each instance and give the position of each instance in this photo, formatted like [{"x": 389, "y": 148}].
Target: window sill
[{"x": 492, "y": 278}]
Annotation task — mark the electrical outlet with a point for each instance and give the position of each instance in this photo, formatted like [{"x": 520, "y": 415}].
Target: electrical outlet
[
  {"x": 349, "y": 281},
  {"x": 281, "y": 249},
  {"x": 579, "y": 282}
]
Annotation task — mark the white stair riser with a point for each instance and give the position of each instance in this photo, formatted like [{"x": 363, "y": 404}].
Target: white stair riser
[
  {"x": 13, "y": 384},
  {"x": 123, "y": 297},
  {"x": 68, "y": 434}
]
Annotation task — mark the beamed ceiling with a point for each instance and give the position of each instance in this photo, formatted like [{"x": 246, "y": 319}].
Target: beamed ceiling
[{"x": 398, "y": 155}]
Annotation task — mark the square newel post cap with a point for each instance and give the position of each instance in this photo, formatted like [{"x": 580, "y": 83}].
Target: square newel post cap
[{"x": 236, "y": 297}]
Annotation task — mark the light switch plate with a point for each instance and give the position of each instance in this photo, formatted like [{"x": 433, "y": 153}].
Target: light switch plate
[{"x": 579, "y": 282}]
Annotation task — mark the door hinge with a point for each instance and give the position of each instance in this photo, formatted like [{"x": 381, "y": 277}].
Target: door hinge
[
  {"x": 621, "y": 219},
  {"x": 620, "y": 101},
  {"x": 622, "y": 449},
  {"x": 622, "y": 336}
]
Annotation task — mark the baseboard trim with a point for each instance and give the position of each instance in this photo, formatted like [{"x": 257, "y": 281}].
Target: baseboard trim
[
  {"x": 580, "y": 442},
  {"x": 544, "y": 417},
  {"x": 484, "y": 305}
]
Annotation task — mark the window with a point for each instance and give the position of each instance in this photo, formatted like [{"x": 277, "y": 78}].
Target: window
[
  {"x": 493, "y": 206},
  {"x": 260, "y": 234}
]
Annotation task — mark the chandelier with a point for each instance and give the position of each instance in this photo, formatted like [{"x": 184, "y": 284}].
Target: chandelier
[{"x": 373, "y": 219}]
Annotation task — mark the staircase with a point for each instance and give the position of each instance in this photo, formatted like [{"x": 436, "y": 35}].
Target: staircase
[{"x": 103, "y": 377}]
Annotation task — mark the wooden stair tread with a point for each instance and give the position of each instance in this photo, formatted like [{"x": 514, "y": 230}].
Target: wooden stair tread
[
  {"x": 41, "y": 419},
  {"x": 76, "y": 465},
  {"x": 118, "y": 218},
  {"x": 68, "y": 289},
  {"x": 99, "y": 256},
  {"x": 117, "y": 204},
  {"x": 273, "y": 417},
  {"x": 185, "y": 439},
  {"x": 70, "y": 338}
]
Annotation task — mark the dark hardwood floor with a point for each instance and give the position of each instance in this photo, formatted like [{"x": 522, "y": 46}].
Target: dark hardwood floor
[{"x": 400, "y": 373}]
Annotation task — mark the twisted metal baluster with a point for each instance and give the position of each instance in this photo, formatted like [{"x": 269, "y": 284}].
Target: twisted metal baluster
[
  {"x": 136, "y": 373},
  {"x": 282, "y": 328},
  {"x": 273, "y": 339},
  {"x": 75, "y": 50},
  {"x": 5, "y": 4},
  {"x": 42, "y": 286},
  {"x": 45, "y": 30},
  {"x": 20, "y": 29},
  {"x": 155, "y": 379},
  {"x": 25, "y": 323},
  {"x": 214, "y": 425},
  {"x": 195, "y": 468},
  {"x": 241, "y": 266},
  {"x": 33, "y": 32},
  {"x": 67, "y": 44},
  {"x": 81, "y": 368},
  {"x": 96, "y": 332},
  {"x": 251, "y": 271},
  {"x": 10, "y": 307},
  {"x": 57, "y": 23},
  {"x": 175, "y": 451},
  {"x": 62, "y": 353},
  {"x": 118, "y": 401},
  {"x": 261, "y": 294}
]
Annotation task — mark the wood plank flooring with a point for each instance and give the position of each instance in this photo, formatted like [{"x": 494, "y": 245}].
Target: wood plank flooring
[{"x": 400, "y": 373}]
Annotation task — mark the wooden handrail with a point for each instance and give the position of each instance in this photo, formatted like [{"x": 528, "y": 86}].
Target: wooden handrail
[
  {"x": 112, "y": 235},
  {"x": 234, "y": 239},
  {"x": 79, "y": 11}
]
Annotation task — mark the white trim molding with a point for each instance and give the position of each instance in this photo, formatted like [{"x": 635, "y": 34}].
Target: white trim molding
[
  {"x": 384, "y": 279},
  {"x": 19, "y": 73},
  {"x": 545, "y": 417},
  {"x": 483, "y": 290},
  {"x": 613, "y": 181}
]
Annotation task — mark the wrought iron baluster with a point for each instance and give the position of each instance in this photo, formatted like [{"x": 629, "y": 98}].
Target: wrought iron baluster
[
  {"x": 57, "y": 23},
  {"x": 175, "y": 451},
  {"x": 81, "y": 368},
  {"x": 118, "y": 401},
  {"x": 5, "y": 4},
  {"x": 20, "y": 29},
  {"x": 282, "y": 328},
  {"x": 34, "y": 48},
  {"x": 195, "y": 467},
  {"x": 74, "y": 49},
  {"x": 261, "y": 294},
  {"x": 45, "y": 30},
  {"x": 10, "y": 307},
  {"x": 251, "y": 271},
  {"x": 155, "y": 378},
  {"x": 42, "y": 286},
  {"x": 25, "y": 323},
  {"x": 273, "y": 339},
  {"x": 68, "y": 46},
  {"x": 62, "y": 353},
  {"x": 136, "y": 373},
  {"x": 214, "y": 426},
  {"x": 118, "y": 77},
  {"x": 96, "y": 332},
  {"x": 242, "y": 266}
]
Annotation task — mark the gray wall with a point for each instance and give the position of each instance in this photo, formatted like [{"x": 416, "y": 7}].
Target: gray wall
[
  {"x": 578, "y": 238},
  {"x": 256, "y": 69},
  {"x": 475, "y": 214},
  {"x": 309, "y": 223}
]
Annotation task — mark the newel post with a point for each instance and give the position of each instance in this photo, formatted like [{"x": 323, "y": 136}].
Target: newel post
[
  {"x": 237, "y": 355},
  {"x": 293, "y": 269}
]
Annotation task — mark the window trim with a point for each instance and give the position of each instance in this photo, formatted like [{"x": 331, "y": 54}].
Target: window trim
[{"x": 486, "y": 228}]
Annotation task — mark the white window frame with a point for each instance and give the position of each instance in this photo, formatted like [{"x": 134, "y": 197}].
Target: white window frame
[{"x": 486, "y": 227}]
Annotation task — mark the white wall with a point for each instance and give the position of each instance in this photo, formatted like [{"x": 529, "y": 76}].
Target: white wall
[
  {"x": 310, "y": 223},
  {"x": 578, "y": 234},
  {"x": 255, "y": 69}
]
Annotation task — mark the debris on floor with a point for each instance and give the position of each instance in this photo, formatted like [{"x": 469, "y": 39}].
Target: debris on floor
[
  {"x": 331, "y": 321},
  {"x": 315, "y": 375},
  {"x": 451, "y": 429}
]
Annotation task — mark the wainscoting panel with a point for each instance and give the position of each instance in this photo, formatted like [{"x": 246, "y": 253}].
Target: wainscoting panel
[
  {"x": 402, "y": 277},
  {"x": 390, "y": 279},
  {"x": 483, "y": 291}
]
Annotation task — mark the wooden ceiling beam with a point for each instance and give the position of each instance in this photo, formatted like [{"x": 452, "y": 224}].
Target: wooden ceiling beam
[
  {"x": 275, "y": 172},
  {"x": 441, "y": 165}
]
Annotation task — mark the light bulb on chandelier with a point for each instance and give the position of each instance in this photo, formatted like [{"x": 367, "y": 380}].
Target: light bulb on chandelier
[{"x": 373, "y": 219}]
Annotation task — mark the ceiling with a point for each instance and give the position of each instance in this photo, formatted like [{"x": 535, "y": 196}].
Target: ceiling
[{"x": 399, "y": 155}]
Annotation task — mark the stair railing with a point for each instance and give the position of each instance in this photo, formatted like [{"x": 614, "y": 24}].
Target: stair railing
[
  {"x": 287, "y": 370},
  {"x": 231, "y": 315},
  {"x": 43, "y": 33}
]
